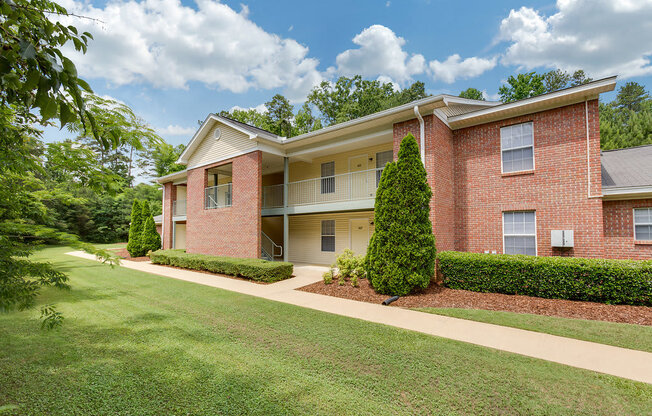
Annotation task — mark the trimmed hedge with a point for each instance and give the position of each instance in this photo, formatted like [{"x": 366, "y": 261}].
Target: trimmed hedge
[
  {"x": 254, "y": 269},
  {"x": 596, "y": 280}
]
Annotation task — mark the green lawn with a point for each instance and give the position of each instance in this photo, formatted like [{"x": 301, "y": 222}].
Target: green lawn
[
  {"x": 139, "y": 344},
  {"x": 637, "y": 337}
]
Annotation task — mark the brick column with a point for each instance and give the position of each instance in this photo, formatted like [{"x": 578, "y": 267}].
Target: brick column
[{"x": 169, "y": 195}]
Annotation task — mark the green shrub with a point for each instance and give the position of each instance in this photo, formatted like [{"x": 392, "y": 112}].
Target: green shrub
[
  {"x": 595, "y": 280},
  {"x": 401, "y": 253},
  {"x": 150, "y": 240},
  {"x": 354, "y": 280},
  {"x": 134, "y": 245},
  {"x": 349, "y": 264},
  {"x": 340, "y": 280},
  {"x": 254, "y": 269},
  {"x": 328, "y": 277}
]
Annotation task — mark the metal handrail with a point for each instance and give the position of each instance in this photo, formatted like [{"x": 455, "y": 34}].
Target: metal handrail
[
  {"x": 179, "y": 207},
  {"x": 219, "y": 196},
  {"x": 274, "y": 246}
]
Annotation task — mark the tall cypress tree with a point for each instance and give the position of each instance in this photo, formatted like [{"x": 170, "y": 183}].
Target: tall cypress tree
[
  {"x": 150, "y": 239},
  {"x": 401, "y": 254},
  {"x": 134, "y": 245}
]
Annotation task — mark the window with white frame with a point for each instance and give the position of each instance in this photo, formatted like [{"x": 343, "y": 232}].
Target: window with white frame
[
  {"x": 328, "y": 178},
  {"x": 382, "y": 158},
  {"x": 517, "y": 147},
  {"x": 328, "y": 235},
  {"x": 643, "y": 224},
  {"x": 519, "y": 233}
]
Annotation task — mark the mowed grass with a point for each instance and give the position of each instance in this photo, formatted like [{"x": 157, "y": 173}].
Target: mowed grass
[
  {"x": 140, "y": 344},
  {"x": 636, "y": 337}
]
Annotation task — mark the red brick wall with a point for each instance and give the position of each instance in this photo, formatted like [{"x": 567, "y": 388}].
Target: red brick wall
[
  {"x": 439, "y": 167},
  {"x": 232, "y": 231},
  {"x": 169, "y": 195},
  {"x": 619, "y": 230},
  {"x": 557, "y": 189}
]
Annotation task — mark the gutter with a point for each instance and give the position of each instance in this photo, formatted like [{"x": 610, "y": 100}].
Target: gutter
[{"x": 422, "y": 134}]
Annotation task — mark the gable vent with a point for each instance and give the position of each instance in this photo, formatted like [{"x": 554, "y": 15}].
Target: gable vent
[{"x": 217, "y": 133}]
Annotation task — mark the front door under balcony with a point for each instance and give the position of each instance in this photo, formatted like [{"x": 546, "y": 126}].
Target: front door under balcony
[{"x": 359, "y": 235}]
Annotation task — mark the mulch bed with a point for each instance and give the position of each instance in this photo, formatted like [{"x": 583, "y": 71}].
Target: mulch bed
[
  {"x": 124, "y": 254},
  {"x": 442, "y": 297}
]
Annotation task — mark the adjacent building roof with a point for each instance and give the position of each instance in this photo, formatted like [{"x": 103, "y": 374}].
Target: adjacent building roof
[{"x": 627, "y": 167}]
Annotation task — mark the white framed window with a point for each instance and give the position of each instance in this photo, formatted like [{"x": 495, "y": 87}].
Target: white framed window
[
  {"x": 328, "y": 235},
  {"x": 382, "y": 158},
  {"x": 517, "y": 147},
  {"x": 643, "y": 224},
  {"x": 520, "y": 232},
  {"x": 328, "y": 178}
]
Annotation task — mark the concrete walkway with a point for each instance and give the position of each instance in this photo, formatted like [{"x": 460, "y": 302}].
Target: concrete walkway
[{"x": 621, "y": 362}]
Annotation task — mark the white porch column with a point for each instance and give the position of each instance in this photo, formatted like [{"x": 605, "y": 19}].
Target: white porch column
[{"x": 286, "y": 222}]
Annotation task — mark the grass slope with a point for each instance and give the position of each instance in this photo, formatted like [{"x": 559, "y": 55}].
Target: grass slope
[
  {"x": 140, "y": 344},
  {"x": 636, "y": 337}
]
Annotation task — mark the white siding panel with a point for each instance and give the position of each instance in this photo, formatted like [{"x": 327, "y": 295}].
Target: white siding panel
[
  {"x": 231, "y": 142},
  {"x": 305, "y": 236}
]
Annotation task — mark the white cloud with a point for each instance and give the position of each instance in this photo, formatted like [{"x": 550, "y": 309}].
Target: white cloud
[
  {"x": 380, "y": 53},
  {"x": 261, "y": 108},
  {"x": 603, "y": 37},
  {"x": 176, "y": 130},
  {"x": 454, "y": 68},
  {"x": 168, "y": 45}
]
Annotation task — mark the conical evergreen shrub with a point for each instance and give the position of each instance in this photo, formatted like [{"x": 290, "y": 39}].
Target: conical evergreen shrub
[
  {"x": 134, "y": 245},
  {"x": 401, "y": 253},
  {"x": 150, "y": 239}
]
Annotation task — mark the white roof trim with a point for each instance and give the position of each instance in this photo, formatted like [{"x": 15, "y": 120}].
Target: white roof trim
[
  {"x": 194, "y": 142},
  {"x": 172, "y": 176},
  {"x": 591, "y": 88},
  {"x": 627, "y": 192}
]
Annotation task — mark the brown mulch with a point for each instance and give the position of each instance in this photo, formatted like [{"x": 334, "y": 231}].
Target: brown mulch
[
  {"x": 124, "y": 254},
  {"x": 441, "y": 297}
]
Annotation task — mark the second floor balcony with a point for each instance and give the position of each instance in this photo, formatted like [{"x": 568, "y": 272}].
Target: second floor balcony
[
  {"x": 179, "y": 208},
  {"x": 219, "y": 196},
  {"x": 351, "y": 186}
]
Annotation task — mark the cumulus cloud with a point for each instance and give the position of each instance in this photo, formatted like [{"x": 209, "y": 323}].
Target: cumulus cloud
[
  {"x": 168, "y": 45},
  {"x": 380, "y": 52},
  {"x": 176, "y": 130},
  {"x": 603, "y": 37},
  {"x": 454, "y": 67},
  {"x": 261, "y": 108}
]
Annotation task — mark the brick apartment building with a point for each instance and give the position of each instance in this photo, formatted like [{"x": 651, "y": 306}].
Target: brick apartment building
[{"x": 525, "y": 177}]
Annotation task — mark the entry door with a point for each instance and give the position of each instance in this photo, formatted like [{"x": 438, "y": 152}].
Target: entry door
[
  {"x": 359, "y": 235},
  {"x": 359, "y": 180}
]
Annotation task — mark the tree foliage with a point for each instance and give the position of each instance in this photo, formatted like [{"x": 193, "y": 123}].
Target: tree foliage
[
  {"x": 472, "y": 94},
  {"x": 344, "y": 100},
  {"x": 150, "y": 239},
  {"x": 627, "y": 120},
  {"x": 134, "y": 245},
  {"x": 401, "y": 253},
  {"x": 532, "y": 84}
]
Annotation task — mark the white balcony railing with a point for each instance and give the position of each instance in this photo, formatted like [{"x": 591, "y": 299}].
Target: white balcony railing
[
  {"x": 179, "y": 207},
  {"x": 338, "y": 188},
  {"x": 218, "y": 196}
]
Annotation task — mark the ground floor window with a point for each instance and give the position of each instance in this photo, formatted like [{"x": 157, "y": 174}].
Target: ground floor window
[
  {"x": 643, "y": 224},
  {"x": 328, "y": 235},
  {"x": 519, "y": 233}
]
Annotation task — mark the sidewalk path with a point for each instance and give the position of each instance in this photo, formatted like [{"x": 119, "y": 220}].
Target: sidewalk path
[{"x": 621, "y": 362}]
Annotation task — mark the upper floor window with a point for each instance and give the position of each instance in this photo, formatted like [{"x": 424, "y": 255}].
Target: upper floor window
[
  {"x": 517, "y": 147},
  {"x": 328, "y": 178},
  {"x": 382, "y": 158},
  {"x": 519, "y": 232},
  {"x": 643, "y": 224}
]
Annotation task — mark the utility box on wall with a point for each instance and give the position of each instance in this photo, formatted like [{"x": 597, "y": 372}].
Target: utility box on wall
[{"x": 562, "y": 238}]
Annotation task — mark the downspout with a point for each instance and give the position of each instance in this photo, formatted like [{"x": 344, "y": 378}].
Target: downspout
[
  {"x": 163, "y": 220},
  {"x": 422, "y": 134},
  {"x": 588, "y": 150}
]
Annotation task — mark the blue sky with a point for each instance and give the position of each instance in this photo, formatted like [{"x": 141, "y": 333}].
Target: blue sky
[{"x": 175, "y": 61}]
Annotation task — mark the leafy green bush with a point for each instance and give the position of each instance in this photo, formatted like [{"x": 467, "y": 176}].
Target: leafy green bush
[
  {"x": 134, "y": 245},
  {"x": 349, "y": 264},
  {"x": 150, "y": 239},
  {"x": 401, "y": 253},
  {"x": 328, "y": 277},
  {"x": 355, "y": 281},
  {"x": 596, "y": 280},
  {"x": 254, "y": 269}
]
